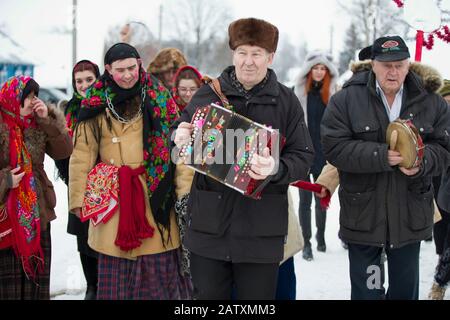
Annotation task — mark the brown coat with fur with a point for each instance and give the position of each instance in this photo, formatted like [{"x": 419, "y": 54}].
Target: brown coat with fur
[{"x": 50, "y": 137}]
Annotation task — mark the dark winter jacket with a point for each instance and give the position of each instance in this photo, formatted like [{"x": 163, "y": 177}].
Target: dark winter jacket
[
  {"x": 443, "y": 197},
  {"x": 379, "y": 204},
  {"x": 226, "y": 225},
  {"x": 316, "y": 109}
]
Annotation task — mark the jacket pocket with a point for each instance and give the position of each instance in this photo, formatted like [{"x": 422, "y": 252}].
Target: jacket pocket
[
  {"x": 206, "y": 211},
  {"x": 358, "y": 211},
  {"x": 367, "y": 131},
  {"x": 420, "y": 210},
  {"x": 267, "y": 217}
]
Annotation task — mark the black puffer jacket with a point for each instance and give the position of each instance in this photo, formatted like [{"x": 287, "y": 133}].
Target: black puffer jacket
[
  {"x": 379, "y": 204},
  {"x": 226, "y": 225}
]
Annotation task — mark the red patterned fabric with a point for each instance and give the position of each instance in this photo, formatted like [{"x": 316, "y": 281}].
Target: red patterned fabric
[
  {"x": 107, "y": 186},
  {"x": 5, "y": 229},
  {"x": 101, "y": 197}
]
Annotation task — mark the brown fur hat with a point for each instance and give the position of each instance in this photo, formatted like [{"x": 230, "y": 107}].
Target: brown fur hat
[
  {"x": 166, "y": 59},
  {"x": 254, "y": 32}
]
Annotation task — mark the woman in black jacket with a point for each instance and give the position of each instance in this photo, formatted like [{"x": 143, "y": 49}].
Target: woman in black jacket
[{"x": 315, "y": 84}]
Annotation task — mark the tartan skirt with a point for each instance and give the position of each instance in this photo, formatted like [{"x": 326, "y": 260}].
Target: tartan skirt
[
  {"x": 14, "y": 284},
  {"x": 149, "y": 277}
]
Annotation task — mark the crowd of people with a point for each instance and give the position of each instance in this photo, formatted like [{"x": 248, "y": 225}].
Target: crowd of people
[{"x": 148, "y": 227}]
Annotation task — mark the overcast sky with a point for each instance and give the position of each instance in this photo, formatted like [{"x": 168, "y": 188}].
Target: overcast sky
[{"x": 32, "y": 23}]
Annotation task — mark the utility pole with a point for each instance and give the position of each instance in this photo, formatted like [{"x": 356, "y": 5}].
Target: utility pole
[
  {"x": 160, "y": 25},
  {"x": 74, "y": 32}
]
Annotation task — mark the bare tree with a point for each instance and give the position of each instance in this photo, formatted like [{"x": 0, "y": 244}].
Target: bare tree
[
  {"x": 219, "y": 57},
  {"x": 352, "y": 43},
  {"x": 288, "y": 56},
  {"x": 369, "y": 20},
  {"x": 445, "y": 12},
  {"x": 198, "y": 24},
  {"x": 373, "y": 18}
]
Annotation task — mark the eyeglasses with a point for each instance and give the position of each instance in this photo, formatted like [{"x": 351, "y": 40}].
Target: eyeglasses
[{"x": 186, "y": 90}]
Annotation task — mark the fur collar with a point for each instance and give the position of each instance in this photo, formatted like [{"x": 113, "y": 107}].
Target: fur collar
[{"x": 34, "y": 138}]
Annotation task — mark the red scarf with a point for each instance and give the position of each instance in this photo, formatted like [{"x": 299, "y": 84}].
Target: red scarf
[
  {"x": 21, "y": 202},
  {"x": 133, "y": 224}
]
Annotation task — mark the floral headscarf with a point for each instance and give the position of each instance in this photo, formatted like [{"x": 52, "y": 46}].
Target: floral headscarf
[{"x": 21, "y": 204}]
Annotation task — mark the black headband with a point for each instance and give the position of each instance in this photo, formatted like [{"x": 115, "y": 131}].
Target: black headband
[{"x": 120, "y": 51}]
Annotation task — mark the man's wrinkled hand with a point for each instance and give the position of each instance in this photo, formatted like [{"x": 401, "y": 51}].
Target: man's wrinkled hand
[
  {"x": 183, "y": 134},
  {"x": 409, "y": 172},
  {"x": 262, "y": 165},
  {"x": 394, "y": 158}
]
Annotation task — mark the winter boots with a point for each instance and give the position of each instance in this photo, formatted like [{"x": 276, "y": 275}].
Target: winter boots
[
  {"x": 307, "y": 252},
  {"x": 91, "y": 293},
  {"x": 321, "y": 246}
]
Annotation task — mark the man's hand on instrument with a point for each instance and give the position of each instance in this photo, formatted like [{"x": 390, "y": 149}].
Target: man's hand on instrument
[
  {"x": 409, "y": 172},
  {"x": 183, "y": 134},
  {"x": 394, "y": 157},
  {"x": 262, "y": 165}
]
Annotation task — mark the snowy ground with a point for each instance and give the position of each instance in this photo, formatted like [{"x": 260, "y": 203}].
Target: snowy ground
[{"x": 326, "y": 277}]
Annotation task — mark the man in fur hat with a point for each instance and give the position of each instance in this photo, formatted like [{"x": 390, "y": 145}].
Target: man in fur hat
[
  {"x": 385, "y": 205},
  {"x": 236, "y": 241}
]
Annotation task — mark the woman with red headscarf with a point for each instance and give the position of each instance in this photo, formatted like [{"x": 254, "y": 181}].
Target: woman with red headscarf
[
  {"x": 187, "y": 81},
  {"x": 84, "y": 74},
  {"x": 28, "y": 130}
]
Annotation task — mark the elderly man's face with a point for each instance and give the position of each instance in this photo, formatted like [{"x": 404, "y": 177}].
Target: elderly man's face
[
  {"x": 124, "y": 72},
  {"x": 390, "y": 75},
  {"x": 251, "y": 64}
]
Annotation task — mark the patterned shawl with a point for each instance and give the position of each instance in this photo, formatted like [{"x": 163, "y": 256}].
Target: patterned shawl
[
  {"x": 21, "y": 204},
  {"x": 159, "y": 112}
]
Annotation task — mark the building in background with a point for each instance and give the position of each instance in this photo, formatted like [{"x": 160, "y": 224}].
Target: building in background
[{"x": 13, "y": 59}]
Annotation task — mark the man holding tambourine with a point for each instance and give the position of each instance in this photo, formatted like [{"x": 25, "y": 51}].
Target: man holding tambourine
[{"x": 387, "y": 135}]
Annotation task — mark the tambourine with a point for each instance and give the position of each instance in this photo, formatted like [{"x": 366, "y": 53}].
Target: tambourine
[{"x": 403, "y": 136}]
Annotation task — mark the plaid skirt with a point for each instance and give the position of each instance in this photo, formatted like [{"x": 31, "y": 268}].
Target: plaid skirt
[
  {"x": 150, "y": 277},
  {"x": 14, "y": 284}
]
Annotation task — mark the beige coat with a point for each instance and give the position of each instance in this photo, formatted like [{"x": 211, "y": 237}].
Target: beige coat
[
  {"x": 329, "y": 178},
  {"x": 294, "y": 240},
  {"x": 122, "y": 145}
]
